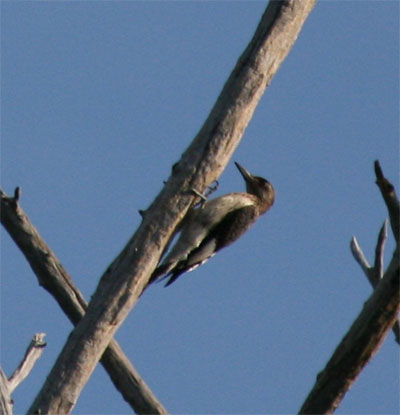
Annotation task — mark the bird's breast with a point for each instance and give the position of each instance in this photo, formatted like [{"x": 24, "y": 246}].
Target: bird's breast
[{"x": 215, "y": 210}]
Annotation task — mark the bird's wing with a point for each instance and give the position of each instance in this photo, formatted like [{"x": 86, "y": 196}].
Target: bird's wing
[
  {"x": 221, "y": 235},
  {"x": 198, "y": 257},
  {"x": 198, "y": 225}
]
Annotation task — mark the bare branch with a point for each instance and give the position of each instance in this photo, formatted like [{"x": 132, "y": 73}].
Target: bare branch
[
  {"x": 360, "y": 258},
  {"x": 201, "y": 164},
  {"x": 6, "y": 404},
  {"x": 54, "y": 278},
  {"x": 359, "y": 345},
  {"x": 379, "y": 251},
  {"x": 390, "y": 198},
  {"x": 393, "y": 206},
  {"x": 7, "y": 386},
  {"x": 373, "y": 274},
  {"x": 32, "y": 354},
  {"x": 367, "y": 333}
]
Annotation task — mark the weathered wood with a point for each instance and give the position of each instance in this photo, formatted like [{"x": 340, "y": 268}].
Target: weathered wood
[
  {"x": 369, "y": 330},
  {"x": 7, "y": 386},
  {"x": 199, "y": 166},
  {"x": 32, "y": 354},
  {"x": 375, "y": 273},
  {"x": 6, "y": 405},
  {"x": 358, "y": 346},
  {"x": 53, "y": 277}
]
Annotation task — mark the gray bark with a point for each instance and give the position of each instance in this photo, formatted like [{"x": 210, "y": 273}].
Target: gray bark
[
  {"x": 7, "y": 386},
  {"x": 33, "y": 352},
  {"x": 5, "y": 395}
]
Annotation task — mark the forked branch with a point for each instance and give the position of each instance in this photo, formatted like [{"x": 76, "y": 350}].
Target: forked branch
[
  {"x": 367, "y": 333},
  {"x": 374, "y": 274},
  {"x": 7, "y": 386}
]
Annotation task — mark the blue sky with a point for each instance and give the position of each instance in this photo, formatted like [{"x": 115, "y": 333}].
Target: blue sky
[{"x": 99, "y": 99}]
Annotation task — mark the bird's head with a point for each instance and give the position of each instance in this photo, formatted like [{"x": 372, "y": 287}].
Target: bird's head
[{"x": 259, "y": 187}]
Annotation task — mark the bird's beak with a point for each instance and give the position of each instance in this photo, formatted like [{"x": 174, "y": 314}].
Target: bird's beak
[{"x": 247, "y": 176}]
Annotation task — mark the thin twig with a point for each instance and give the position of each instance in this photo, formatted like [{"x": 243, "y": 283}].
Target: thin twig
[
  {"x": 360, "y": 258},
  {"x": 390, "y": 198},
  {"x": 379, "y": 252},
  {"x": 373, "y": 273},
  {"x": 32, "y": 354}
]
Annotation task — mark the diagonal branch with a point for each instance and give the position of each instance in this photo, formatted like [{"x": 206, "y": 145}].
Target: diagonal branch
[
  {"x": 202, "y": 163},
  {"x": 7, "y": 386},
  {"x": 54, "y": 278},
  {"x": 6, "y": 403},
  {"x": 369, "y": 330},
  {"x": 359, "y": 256},
  {"x": 374, "y": 274},
  {"x": 33, "y": 352},
  {"x": 359, "y": 345},
  {"x": 379, "y": 251}
]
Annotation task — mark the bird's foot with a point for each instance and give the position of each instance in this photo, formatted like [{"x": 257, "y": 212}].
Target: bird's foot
[
  {"x": 200, "y": 195},
  {"x": 203, "y": 197},
  {"x": 212, "y": 188}
]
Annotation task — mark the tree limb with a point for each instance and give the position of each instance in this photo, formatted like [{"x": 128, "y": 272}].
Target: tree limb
[
  {"x": 359, "y": 256},
  {"x": 359, "y": 345},
  {"x": 379, "y": 251},
  {"x": 374, "y": 274},
  {"x": 367, "y": 333},
  {"x": 7, "y": 386},
  {"x": 32, "y": 354},
  {"x": 202, "y": 163},
  {"x": 53, "y": 277},
  {"x": 6, "y": 403}
]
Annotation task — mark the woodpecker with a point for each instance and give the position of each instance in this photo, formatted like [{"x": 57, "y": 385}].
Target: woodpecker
[{"x": 215, "y": 225}]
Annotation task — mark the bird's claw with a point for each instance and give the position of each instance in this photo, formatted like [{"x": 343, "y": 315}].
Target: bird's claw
[
  {"x": 212, "y": 188},
  {"x": 200, "y": 195},
  {"x": 203, "y": 197}
]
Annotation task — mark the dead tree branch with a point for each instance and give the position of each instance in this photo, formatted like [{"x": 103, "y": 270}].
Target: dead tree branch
[
  {"x": 32, "y": 354},
  {"x": 374, "y": 274},
  {"x": 6, "y": 403},
  {"x": 53, "y": 277},
  {"x": 7, "y": 386},
  {"x": 367, "y": 333},
  {"x": 390, "y": 198},
  {"x": 358, "y": 346},
  {"x": 202, "y": 163}
]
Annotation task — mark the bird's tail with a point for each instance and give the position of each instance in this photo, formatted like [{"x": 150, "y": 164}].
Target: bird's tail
[
  {"x": 163, "y": 272},
  {"x": 159, "y": 273}
]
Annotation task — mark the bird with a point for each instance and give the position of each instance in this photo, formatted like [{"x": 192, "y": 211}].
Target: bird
[{"x": 215, "y": 225}]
